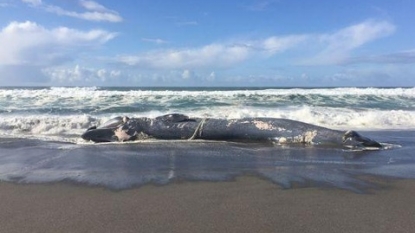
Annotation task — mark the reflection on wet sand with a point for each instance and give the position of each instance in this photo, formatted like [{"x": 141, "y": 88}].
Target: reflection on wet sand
[{"x": 122, "y": 166}]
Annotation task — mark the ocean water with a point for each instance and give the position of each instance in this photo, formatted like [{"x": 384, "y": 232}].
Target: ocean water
[{"x": 40, "y": 132}]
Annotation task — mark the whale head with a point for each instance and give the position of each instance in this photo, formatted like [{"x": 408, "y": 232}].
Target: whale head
[
  {"x": 99, "y": 135},
  {"x": 107, "y": 132}
]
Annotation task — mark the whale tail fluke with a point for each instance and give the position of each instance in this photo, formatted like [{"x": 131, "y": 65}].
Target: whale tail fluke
[{"x": 353, "y": 139}]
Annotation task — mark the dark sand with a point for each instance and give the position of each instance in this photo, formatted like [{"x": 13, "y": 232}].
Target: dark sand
[{"x": 246, "y": 205}]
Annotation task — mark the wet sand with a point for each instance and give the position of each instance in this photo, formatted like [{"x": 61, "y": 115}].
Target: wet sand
[{"x": 246, "y": 205}]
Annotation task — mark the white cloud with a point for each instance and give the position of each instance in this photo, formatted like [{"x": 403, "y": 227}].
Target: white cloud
[
  {"x": 211, "y": 77},
  {"x": 338, "y": 46},
  {"x": 187, "y": 74},
  {"x": 33, "y": 2},
  {"x": 30, "y": 43},
  {"x": 277, "y": 44},
  {"x": 187, "y": 23},
  {"x": 81, "y": 75},
  {"x": 156, "y": 41},
  {"x": 93, "y": 6},
  {"x": 28, "y": 47},
  {"x": 95, "y": 11},
  {"x": 212, "y": 55},
  {"x": 334, "y": 48},
  {"x": 261, "y": 5},
  {"x": 90, "y": 15},
  {"x": 316, "y": 49}
]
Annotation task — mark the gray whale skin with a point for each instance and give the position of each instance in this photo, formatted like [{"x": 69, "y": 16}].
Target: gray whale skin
[{"x": 179, "y": 126}]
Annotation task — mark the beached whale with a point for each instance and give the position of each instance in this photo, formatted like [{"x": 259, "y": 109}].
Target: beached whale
[{"x": 178, "y": 126}]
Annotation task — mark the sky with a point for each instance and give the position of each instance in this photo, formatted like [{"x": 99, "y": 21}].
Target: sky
[{"x": 276, "y": 43}]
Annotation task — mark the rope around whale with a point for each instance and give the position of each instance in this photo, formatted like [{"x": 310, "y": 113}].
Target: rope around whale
[{"x": 198, "y": 129}]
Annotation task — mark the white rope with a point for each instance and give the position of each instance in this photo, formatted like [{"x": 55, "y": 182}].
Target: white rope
[{"x": 198, "y": 129}]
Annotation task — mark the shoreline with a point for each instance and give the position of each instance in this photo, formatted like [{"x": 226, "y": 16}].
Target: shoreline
[{"x": 248, "y": 204}]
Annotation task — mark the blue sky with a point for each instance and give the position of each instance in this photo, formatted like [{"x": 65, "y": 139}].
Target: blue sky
[{"x": 207, "y": 43}]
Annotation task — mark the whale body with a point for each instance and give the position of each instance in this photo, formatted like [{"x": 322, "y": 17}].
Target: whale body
[{"x": 261, "y": 129}]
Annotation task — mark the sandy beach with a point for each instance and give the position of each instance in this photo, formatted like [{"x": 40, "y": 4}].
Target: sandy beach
[{"x": 248, "y": 204}]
